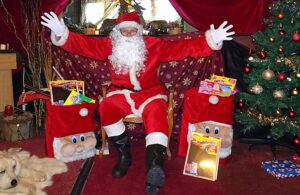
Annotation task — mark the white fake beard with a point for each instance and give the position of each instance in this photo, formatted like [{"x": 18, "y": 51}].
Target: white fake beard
[{"x": 127, "y": 52}]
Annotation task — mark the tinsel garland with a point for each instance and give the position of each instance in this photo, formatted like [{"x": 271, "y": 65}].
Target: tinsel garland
[{"x": 263, "y": 119}]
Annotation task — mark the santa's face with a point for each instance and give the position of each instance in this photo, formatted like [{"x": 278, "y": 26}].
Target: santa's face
[
  {"x": 128, "y": 31},
  {"x": 74, "y": 147},
  {"x": 128, "y": 50}
]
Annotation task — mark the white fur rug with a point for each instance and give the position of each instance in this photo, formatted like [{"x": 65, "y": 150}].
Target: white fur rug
[{"x": 22, "y": 174}]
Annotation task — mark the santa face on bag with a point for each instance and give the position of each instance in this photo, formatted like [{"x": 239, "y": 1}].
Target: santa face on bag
[{"x": 74, "y": 147}]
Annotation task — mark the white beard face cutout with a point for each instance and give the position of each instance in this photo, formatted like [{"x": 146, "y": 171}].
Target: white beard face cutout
[
  {"x": 128, "y": 52},
  {"x": 74, "y": 147}
]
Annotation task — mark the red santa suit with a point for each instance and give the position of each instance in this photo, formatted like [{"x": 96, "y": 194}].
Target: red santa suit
[{"x": 137, "y": 92}]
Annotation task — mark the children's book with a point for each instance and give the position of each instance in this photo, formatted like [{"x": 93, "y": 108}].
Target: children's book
[
  {"x": 60, "y": 90},
  {"x": 202, "y": 158}
]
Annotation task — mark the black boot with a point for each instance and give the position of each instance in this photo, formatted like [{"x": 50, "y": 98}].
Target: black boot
[
  {"x": 155, "y": 175},
  {"x": 121, "y": 142}
]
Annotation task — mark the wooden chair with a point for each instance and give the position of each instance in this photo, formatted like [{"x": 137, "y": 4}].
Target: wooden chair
[{"x": 132, "y": 119}]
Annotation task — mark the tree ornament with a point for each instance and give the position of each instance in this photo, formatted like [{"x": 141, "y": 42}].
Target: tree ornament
[
  {"x": 256, "y": 89},
  {"x": 281, "y": 32},
  {"x": 272, "y": 39},
  {"x": 292, "y": 21},
  {"x": 281, "y": 76},
  {"x": 296, "y": 140},
  {"x": 280, "y": 15},
  {"x": 278, "y": 112},
  {"x": 295, "y": 91},
  {"x": 280, "y": 25},
  {"x": 247, "y": 69},
  {"x": 262, "y": 54},
  {"x": 298, "y": 75},
  {"x": 241, "y": 104},
  {"x": 268, "y": 74},
  {"x": 292, "y": 114},
  {"x": 280, "y": 49},
  {"x": 296, "y": 36},
  {"x": 278, "y": 94}
]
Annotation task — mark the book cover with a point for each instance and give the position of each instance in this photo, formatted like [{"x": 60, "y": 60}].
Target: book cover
[
  {"x": 60, "y": 90},
  {"x": 202, "y": 158}
]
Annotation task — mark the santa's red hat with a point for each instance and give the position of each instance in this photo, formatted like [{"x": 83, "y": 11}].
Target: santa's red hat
[{"x": 131, "y": 19}]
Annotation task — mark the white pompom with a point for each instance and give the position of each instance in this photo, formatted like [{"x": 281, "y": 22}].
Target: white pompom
[
  {"x": 213, "y": 99},
  {"x": 83, "y": 112}
]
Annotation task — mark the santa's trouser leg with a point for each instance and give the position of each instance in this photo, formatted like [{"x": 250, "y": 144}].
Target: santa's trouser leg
[
  {"x": 112, "y": 110},
  {"x": 155, "y": 117}
]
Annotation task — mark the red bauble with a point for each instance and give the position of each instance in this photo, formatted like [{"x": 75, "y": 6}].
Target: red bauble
[
  {"x": 281, "y": 32},
  {"x": 262, "y": 54},
  {"x": 291, "y": 114},
  {"x": 297, "y": 140},
  {"x": 281, "y": 76},
  {"x": 296, "y": 36},
  {"x": 241, "y": 104},
  {"x": 247, "y": 69},
  {"x": 281, "y": 15}
]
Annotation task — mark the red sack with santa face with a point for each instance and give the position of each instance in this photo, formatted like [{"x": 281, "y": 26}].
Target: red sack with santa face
[{"x": 63, "y": 121}]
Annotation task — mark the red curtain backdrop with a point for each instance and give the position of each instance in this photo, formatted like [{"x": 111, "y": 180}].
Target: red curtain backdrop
[
  {"x": 7, "y": 34},
  {"x": 245, "y": 15}
]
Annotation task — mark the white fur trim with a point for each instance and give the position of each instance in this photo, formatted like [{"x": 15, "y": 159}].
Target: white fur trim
[
  {"x": 133, "y": 79},
  {"x": 211, "y": 43},
  {"x": 115, "y": 129},
  {"x": 137, "y": 112},
  {"x": 130, "y": 101},
  {"x": 157, "y": 138},
  {"x": 225, "y": 152},
  {"x": 62, "y": 40},
  {"x": 57, "y": 145},
  {"x": 127, "y": 24},
  {"x": 145, "y": 103}
]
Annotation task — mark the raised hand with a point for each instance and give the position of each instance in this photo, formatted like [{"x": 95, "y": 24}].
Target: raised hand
[
  {"x": 51, "y": 21},
  {"x": 220, "y": 34}
]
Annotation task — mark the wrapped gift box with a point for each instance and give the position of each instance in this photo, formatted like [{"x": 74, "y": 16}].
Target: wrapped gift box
[
  {"x": 16, "y": 127},
  {"x": 282, "y": 168}
]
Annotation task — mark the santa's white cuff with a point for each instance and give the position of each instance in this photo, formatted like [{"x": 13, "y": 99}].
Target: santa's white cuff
[
  {"x": 211, "y": 43},
  {"x": 157, "y": 138},
  {"x": 115, "y": 129},
  {"x": 62, "y": 39}
]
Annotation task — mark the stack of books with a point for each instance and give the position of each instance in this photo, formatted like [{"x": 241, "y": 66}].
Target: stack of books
[
  {"x": 218, "y": 85},
  {"x": 68, "y": 92}
]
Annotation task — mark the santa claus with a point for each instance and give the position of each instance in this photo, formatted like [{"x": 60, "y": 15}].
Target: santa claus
[{"x": 136, "y": 89}]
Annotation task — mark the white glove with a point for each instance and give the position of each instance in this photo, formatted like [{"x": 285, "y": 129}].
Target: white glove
[
  {"x": 219, "y": 35},
  {"x": 51, "y": 21}
]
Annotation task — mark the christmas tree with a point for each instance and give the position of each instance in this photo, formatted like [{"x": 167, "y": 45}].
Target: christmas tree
[{"x": 272, "y": 74}]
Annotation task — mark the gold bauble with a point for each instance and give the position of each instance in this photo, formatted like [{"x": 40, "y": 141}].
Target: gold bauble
[
  {"x": 272, "y": 39},
  {"x": 295, "y": 91},
  {"x": 298, "y": 75},
  {"x": 256, "y": 89},
  {"x": 268, "y": 74},
  {"x": 278, "y": 112},
  {"x": 279, "y": 94}
]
